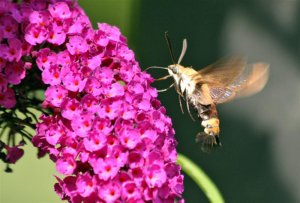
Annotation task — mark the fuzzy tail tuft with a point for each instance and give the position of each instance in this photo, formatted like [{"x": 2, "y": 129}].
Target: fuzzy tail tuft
[{"x": 208, "y": 142}]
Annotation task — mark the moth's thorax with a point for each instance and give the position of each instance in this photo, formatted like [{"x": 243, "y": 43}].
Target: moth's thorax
[{"x": 183, "y": 77}]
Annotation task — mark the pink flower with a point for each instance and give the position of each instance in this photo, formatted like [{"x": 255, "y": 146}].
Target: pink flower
[
  {"x": 52, "y": 75},
  {"x": 14, "y": 154},
  {"x": 55, "y": 95},
  {"x": 54, "y": 133},
  {"x": 57, "y": 35},
  {"x": 2, "y": 63},
  {"x": 89, "y": 103},
  {"x": 77, "y": 45},
  {"x": 60, "y": 10},
  {"x": 3, "y": 83},
  {"x": 103, "y": 126},
  {"x": 94, "y": 62},
  {"x": 107, "y": 33},
  {"x": 155, "y": 176},
  {"x": 8, "y": 26},
  {"x": 82, "y": 123},
  {"x": 105, "y": 168},
  {"x": 67, "y": 189},
  {"x": 45, "y": 58},
  {"x": 15, "y": 72},
  {"x": 93, "y": 86},
  {"x": 116, "y": 90},
  {"x": 40, "y": 18},
  {"x": 129, "y": 138},
  {"x": 63, "y": 59},
  {"x": 94, "y": 141},
  {"x": 13, "y": 51},
  {"x": 109, "y": 109},
  {"x": 70, "y": 108},
  {"x": 35, "y": 34},
  {"x": 74, "y": 82},
  {"x": 38, "y": 4},
  {"x": 135, "y": 159},
  {"x": 5, "y": 5},
  {"x": 106, "y": 75},
  {"x": 66, "y": 165},
  {"x": 8, "y": 98},
  {"x": 110, "y": 192},
  {"x": 131, "y": 192},
  {"x": 86, "y": 184},
  {"x": 21, "y": 13}
]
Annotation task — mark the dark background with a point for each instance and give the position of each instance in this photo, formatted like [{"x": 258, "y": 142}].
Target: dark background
[{"x": 243, "y": 168}]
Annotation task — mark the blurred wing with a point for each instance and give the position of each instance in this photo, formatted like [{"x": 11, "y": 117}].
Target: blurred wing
[
  {"x": 250, "y": 81},
  {"x": 253, "y": 81},
  {"x": 223, "y": 72},
  {"x": 221, "y": 94}
]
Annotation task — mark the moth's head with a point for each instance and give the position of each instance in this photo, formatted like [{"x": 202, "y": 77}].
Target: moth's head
[{"x": 173, "y": 69}]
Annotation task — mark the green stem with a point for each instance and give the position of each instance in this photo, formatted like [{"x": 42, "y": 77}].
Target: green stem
[{"x": 201, "y": 179}]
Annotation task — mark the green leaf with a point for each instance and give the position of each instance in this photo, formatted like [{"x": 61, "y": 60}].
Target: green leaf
[{"x": 201, "y": 179}]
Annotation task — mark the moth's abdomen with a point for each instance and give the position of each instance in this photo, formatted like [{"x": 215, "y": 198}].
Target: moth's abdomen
[
  {"x": 211, "y": 126},
  {"x": 210, "y": 137}
]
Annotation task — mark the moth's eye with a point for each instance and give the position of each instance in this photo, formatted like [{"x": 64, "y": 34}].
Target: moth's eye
[{"x": 174, "y": 69}]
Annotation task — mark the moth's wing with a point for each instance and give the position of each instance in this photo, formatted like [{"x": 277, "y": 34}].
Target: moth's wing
[
  {"x": 215, "y": 78},
  {"x": 250, "y": 81},
  {"x": 254, "y": 81},
  {"x": 224, "y": 71},
  {"x": 202, "y": 95},
  {"x": 221, "y": 94}
]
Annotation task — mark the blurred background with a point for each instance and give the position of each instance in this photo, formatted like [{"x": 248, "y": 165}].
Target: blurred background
[{"x": 260, "y": 158}]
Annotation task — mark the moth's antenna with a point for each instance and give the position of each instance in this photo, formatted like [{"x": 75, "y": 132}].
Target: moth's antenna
[
  {"x": 184, "y": 47},
  {"x": 170, "y": 47}
]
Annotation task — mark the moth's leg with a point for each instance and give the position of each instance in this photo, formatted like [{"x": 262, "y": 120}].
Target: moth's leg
[
  {"x": 163, "y": 90},
  {"x": 177, "y": 87},
  {"x": 188, "y": 106},
  {"x": 179, "y": 96}
]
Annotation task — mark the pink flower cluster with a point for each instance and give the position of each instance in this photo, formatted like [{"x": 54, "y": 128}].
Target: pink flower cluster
[
  {"x": 25, "y": 25},
  {"x": 12, "y": 48},
  {"x": 108, "y": 134}
]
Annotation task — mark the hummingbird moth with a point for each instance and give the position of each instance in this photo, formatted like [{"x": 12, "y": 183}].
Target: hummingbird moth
[{"x": 204, "y": 89}]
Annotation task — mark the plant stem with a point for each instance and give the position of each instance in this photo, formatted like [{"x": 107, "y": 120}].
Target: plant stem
[{"x": 201, "y": 179}]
